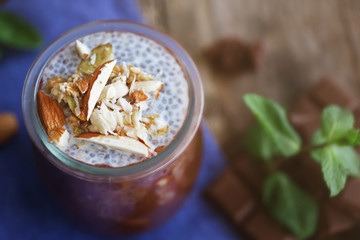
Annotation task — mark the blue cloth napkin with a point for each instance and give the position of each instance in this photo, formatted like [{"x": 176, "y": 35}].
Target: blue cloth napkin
[{"x": 26, "y": 212}]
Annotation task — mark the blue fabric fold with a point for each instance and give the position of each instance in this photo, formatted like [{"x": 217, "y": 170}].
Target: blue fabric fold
[{"x": 26, "y": 212}]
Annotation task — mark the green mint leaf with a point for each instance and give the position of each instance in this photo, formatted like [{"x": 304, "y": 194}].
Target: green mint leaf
[
  {"x": 17, "y": 32},
  {"x": 337, "y": 162},
  {"x": 259, "y": 144},
  {"x": 290, "y": 205},
  {"x": 336, "y": 122},
  {"x": 348, "y": 158},
  {"x": 274, "y": 120},
  {"x": 318, "y": 139},
  {"x": 352, "y": 138}
]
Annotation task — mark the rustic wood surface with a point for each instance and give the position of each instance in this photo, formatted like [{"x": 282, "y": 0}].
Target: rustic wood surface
[{"x": 303, "y": 41}]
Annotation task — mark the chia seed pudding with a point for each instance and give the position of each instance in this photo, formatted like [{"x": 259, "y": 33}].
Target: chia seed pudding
[
  {"x": 116, "y": 135},
  {"x": 131, "y": 52}
]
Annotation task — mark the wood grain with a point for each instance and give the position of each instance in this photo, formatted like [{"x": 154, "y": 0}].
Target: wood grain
[{"x": 303, "y": 41}]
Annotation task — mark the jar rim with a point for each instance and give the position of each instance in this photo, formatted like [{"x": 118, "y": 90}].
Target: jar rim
[{"x": 90, "y": 172}]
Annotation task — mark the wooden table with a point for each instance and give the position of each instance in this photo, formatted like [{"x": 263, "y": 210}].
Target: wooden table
[{"x": 303, "y": 41}]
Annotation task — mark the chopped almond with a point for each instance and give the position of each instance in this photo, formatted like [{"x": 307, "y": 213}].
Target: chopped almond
[
  {"x": 148, "y": 86},
  {"x": 159, "y": 149},
  {"x": 82, "y": 49},
  {"x": 124, "y": 104},
  {"x": 83, "y": 85},
  {"x": 51, "y": 114},
  {"x": 137, "y": 96},
  {"x": 103, "y": 119},
  {"x": 97, "y": 82},
  {"x": 114, "y": 90},
  {"x": 59, "y": 136},
  {"x": 118, "y": 142}
]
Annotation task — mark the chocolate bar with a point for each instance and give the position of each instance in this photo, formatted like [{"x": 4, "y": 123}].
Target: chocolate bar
[
  {"x": 261, "y": 226},
  {"x": 333, "y": 220},
  {"x": 232, "y": 196},
  {"x": 238, "y": 191},
  {"x": 328, "y": 92},
  {"x": 251, "y": 171}
]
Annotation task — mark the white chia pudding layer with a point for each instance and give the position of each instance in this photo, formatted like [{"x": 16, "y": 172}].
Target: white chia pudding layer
[{"x": 172, "y": 103}]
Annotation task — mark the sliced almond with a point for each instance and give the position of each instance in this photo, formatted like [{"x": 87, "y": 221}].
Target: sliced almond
[
  {"x": 97, "y": 82},
  {"x": 114, "y": 90},
  {"x": 51, "y": 114},
  {"x": 159, "y": 149},
  {"x": 148, "y": 86},
  {"x": 59, "y": 136},
  {"x": 83, "y": 85},
  {"x": 124, "y": 104},
  {"x": 137, "y": 96},
  {"x": 118, "y": 142},
  {"x": 155, "y": 125},
  {"x": 82, "y": 49},
  {"x": 103, "y": 119}
]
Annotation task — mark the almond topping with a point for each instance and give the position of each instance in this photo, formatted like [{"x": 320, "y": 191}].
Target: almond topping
[
  {"x": 97, "y": 82},
  {"x": 59, "y": 136},
  {"x": 137, "y": 96},
  {"x": 103, "y": 119},
  {"x": 148, "y": 86},
  {"x": 82, "y": 49},
  {"x": 159, "y": 149},
  {"x": 118, "y": 142},
  {"x": 114, "y": 90},
  {"x": 51, "y": 114},
  {"x": 83, "y": 85},
  {"x": 125, "y": 105}
]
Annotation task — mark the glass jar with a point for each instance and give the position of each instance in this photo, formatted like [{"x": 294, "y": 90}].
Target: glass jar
[{"x": 125, "y": 200}]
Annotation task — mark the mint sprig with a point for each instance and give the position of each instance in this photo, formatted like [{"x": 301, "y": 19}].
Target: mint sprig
[
  {"x": 336, "y": 123},
  {"x": 332, "y": 147},
  {"x": 337, "y": 162},
  {"x": 17, "y": 33},
  {"x": 260, "y": 145},
  {"x": 292, "y": 207},
  {"x": 273, "y": 119},
  {"x": 337, "y": 157}
]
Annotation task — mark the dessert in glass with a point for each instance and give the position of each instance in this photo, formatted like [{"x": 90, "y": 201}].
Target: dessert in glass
[{"x": 113, "y": 109}]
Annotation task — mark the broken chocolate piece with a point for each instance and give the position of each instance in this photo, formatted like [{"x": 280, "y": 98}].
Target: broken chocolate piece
[
  {"x": 328, "y": 92},
  {"x": 305, "y": 116},
  {"x": 260, "y": 226},
  {"x": 251, "y": 171},
  {"x": 234, "y": 56},
  {"x": 307, "y": 173},
  {"x": 333, "y": 221},
  {"x": 349, "y": 198},
  {"x": 232, "y": 196}
]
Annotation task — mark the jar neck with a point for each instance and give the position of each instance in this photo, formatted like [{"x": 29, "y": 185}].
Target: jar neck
[{"x": 89, "y": 172}]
